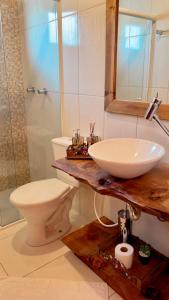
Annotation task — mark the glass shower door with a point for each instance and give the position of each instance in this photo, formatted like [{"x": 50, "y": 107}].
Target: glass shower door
[{"x": 8, "y": 213}]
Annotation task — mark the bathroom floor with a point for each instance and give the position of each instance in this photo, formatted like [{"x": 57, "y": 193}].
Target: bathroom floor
[{"x": 54, "y": 260}]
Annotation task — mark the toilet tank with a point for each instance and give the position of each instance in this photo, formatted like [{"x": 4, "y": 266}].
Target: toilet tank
[{"x": 59, "y": 146}]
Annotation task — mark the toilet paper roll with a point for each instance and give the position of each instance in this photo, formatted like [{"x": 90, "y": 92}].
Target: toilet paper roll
[{"x": 124, "y": 253}]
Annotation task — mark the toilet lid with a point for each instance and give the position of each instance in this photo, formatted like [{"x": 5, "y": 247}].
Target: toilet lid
[{"x": 38, "y": 192}]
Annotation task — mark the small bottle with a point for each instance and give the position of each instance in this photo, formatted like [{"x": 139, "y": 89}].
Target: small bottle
[
  {"x": 92, "y": 139},
  {"x": 77, "y": 140}
]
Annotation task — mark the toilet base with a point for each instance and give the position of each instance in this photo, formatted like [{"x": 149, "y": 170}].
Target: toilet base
[
  {"x": 33, "y": 241},
  {"x": 41, "y": 233}
]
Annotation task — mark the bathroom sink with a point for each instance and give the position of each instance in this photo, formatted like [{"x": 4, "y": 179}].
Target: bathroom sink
[{"x": 126, "y": 157}]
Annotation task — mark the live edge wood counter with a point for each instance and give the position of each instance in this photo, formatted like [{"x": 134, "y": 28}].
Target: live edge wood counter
[{"x": 149, "y": 192}]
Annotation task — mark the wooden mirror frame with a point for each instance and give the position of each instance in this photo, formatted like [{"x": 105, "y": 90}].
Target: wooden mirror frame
[{"x": 112, "y": 104}]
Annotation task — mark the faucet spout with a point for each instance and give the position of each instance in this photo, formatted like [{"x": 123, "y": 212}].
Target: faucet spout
[
  {"x": 153, "y": 108},
  {"x": 151, "y": 114}
]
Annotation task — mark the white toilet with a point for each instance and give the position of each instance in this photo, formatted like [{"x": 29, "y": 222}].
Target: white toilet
[{"x": 45, "y": 204}]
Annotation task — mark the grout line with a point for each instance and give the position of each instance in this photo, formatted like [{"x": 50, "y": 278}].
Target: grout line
[
  {"x": 69, "y": 15},
  {"x": 114, "y": 292},
  {"x": 3, "y": 268},
  {"x": 7, "y": 227},
  {"x": 78, "y": 67},
  {"x": 78, "y": 94},
  {"x": 137, "y": 124},
  {"x": 79, "y": 11},
  {"x": 91, "y": 7},
  {"x": 38, "y": 25},
  {"x": 42, "y": 266}
]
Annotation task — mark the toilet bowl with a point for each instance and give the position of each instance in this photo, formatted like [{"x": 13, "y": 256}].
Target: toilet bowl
[{"x": 46, "y": 204}]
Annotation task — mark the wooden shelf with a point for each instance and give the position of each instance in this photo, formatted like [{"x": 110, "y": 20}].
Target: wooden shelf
[
  {"x": 89, "y": 242},
  {"x": 150, "y": 192}
]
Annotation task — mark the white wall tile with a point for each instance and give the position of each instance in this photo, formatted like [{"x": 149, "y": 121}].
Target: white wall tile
[
  {"x": 82, "y": 5},
  {"x": 41, "y": 57},
  {"x": 86, "y": 202},
  {"x": 160, "y": 7},
  {"x": 43, "y": 111},
  {"x": 69, "y": 7},
  {"x": 124, "y": 3},
  {"x": 162, "y": 93},
  {"x": 145, "y": 7},
  {"x": 153, "y": 232},
  {"x": 43, "y": 124},
  {"x": 92, "y": 51},
  {"x": 36, "y": 12},
  {"x": 91, "y": 110},
  {"x": 70, "y": 53},
  {"x": 119, "y": 126},
  {"x": 111, "y": 206},
  {"x": 151, "y": 131},
  {"x": 70, "y": 113},
  {"x": 161, "y": 63}
]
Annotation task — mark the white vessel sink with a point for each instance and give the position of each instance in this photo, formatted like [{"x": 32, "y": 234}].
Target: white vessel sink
[{"x": 126, "y": 157}]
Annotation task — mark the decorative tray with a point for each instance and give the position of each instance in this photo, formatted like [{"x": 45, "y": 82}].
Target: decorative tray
[{"x": 78, "y": 152}]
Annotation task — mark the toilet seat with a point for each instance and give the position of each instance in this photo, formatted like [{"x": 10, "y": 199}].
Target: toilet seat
[{"x": 39, "y": 192}]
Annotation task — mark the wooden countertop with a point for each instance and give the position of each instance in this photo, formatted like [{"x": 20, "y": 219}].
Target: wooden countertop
[{"x": 149, "y": 192}]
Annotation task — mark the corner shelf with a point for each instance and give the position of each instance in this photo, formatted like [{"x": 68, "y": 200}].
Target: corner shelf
[{"x": 149, "y": 192}]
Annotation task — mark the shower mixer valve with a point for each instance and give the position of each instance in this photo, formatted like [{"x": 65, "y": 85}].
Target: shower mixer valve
[
  {"x": 31, "y": 90},
  {"x": 40, "y": 91}
]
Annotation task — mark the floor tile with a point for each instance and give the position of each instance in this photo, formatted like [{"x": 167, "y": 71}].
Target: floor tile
[
  {"x": 54, "y": 260},
  {"x": 67, "y": 267},
  {"x": 19, "y": 259},
  {"x": 11, "y": 229},
  {"x": 43, "y": 289},
  {"x": 2, "y": 271}
]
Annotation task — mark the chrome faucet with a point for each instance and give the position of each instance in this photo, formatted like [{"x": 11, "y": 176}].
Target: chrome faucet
[{"x": 151, "y": 113}]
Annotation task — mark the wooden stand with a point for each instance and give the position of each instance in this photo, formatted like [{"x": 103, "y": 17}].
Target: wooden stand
[
  {"x": 149, "y": 193},
  {"x": 93, "y": 243}
]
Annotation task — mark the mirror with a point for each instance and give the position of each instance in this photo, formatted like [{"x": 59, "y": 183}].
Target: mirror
[{"x": 137, "y": 63}]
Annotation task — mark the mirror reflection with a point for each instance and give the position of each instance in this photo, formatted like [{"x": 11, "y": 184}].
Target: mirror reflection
[{"x": 143, "y": 47}]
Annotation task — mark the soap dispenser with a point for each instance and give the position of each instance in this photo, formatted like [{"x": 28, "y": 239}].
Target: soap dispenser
[
  {"x": 77, "y": 140},
  {"x": 92, "y": 139}
]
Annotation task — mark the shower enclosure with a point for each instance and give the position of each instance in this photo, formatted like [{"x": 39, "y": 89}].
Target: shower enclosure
[
  {"x": 14, "y": 167},
  {"x": 27, "y": 122}
]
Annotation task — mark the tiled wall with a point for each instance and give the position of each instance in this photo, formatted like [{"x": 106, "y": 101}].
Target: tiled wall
[
  {"x": 41, "y": 70},
  {"x": 83, "y": 102},
  {"x": 14, "y": 167},
  {"x": 160, "y": 78}
]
